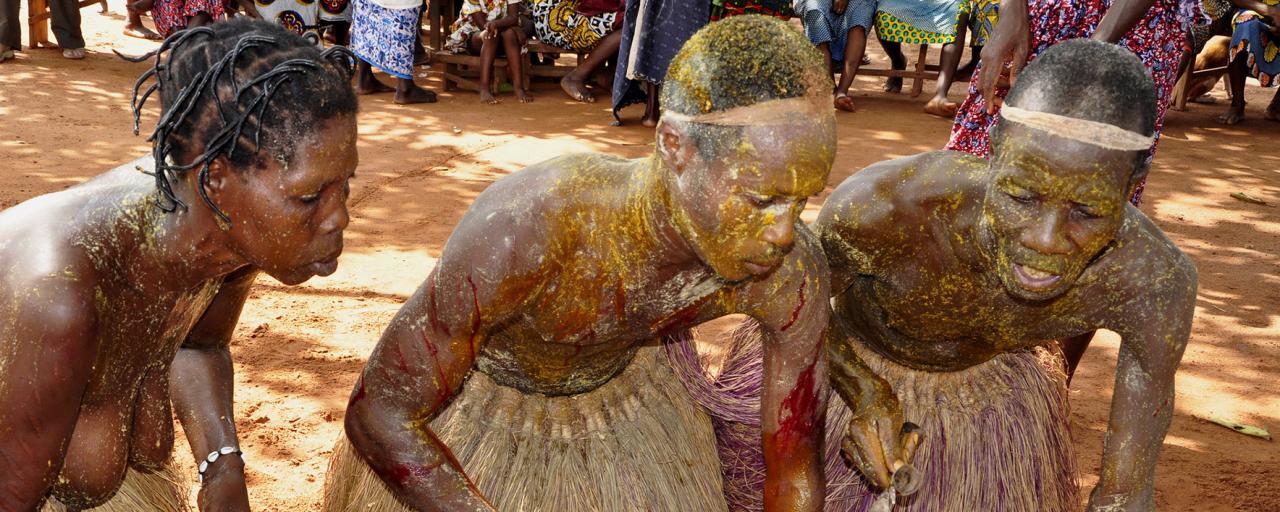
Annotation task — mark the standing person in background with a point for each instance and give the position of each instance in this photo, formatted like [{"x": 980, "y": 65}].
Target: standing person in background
[
  {"x": 383, "y": 34},
  {"x": 652, "y": 32},
  {"x": 66, "y": 28},
  {"x": 1254, "y": 52}
]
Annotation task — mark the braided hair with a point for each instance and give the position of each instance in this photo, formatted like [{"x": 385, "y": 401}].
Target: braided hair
[{"x": 232, "y": 90}]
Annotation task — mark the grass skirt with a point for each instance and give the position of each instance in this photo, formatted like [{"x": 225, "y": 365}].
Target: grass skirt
[
  {"x": 635, "y": 443},
  {"x": 160, "y": 491},
  {"x": 994, "y": 436}
]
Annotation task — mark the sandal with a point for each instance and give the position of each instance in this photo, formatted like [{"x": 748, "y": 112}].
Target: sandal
[{"x": 73, "y": 53}]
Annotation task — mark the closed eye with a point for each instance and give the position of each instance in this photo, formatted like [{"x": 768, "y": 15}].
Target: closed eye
[{"x": 310, "y": 198}]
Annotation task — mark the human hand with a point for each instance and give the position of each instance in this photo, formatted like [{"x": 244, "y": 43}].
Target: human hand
[
  {"x": 879, "y": 442},
  {"x": 1009, "y": 43},
  {"x": 490, "y": 31},
  {"x": 224, "y": 488},
  {"x": 839, "y": 6},
  {"x": 1272, "y": 12}
]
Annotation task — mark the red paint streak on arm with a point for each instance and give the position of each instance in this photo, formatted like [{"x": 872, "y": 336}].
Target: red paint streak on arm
[
  {"x": 403, "y": 472},
  {"x": 432, "y": 314},
  {"x": 442, "y": 387},
  {"x": 798, "y": 415},
  {"x": 474, "y": 343},
  {"x": 795, "y": 315}
]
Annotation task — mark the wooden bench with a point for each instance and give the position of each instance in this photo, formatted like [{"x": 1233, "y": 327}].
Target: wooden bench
[
  {"x": 38, "y": 20},
  {"x": 922, "y": 71}
]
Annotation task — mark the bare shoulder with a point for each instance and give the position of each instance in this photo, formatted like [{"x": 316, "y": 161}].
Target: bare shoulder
[
  {"x": 1144, "y": 260},
  {"x": 887, "y": 192},
  {"x": 517, "y": 216}
]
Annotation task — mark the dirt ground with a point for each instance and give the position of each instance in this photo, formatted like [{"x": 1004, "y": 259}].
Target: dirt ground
[{"x": 298, "y": 350}]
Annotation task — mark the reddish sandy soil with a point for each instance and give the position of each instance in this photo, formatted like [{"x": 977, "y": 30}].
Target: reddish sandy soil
[{"x": 298, "y": 350}]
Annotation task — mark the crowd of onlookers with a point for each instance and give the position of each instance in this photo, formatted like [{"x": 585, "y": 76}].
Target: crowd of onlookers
[{"x": 627, "y": 44}]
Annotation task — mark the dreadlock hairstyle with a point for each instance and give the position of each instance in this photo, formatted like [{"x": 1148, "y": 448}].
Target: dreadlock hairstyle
[{"x": 233, "y": 89}]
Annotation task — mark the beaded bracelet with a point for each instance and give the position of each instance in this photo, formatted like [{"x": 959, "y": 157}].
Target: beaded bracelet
[{"x": 215, "y": 455}]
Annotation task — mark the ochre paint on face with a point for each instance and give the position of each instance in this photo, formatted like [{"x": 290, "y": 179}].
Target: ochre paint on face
[
  {"x": 1053, "y": 206},
  {"x": 740, "y": 210}
]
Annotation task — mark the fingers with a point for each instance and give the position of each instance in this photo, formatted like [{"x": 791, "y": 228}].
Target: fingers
[
  {"x": 910, "y": 441},
  {"x": 863, "y": 446}
]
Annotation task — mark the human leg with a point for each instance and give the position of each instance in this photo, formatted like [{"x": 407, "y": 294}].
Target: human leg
[
  {"x": 10, "y": 28},
  {"x": 855, "y": 46},
  {"x": 65, "y": 19},
  {"x": 938, "y": 105},
  {"x": 574, "y": 83},
  {"x": 897, "y": 61},
  {"x": 1237, "y": 71},
  {"x": 511, "y": 43},
  {"x": 366, "y": 82}
]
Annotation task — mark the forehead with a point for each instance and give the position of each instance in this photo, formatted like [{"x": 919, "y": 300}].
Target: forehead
[
  {"x": 1034, "y": 155},
  {"x": 326, "y": 153},
  {"x": 786, "y": 158}
]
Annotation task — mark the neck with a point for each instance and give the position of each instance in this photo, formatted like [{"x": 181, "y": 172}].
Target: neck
[
  {"x": 660, "y": 217},
  {"x": 179, "y": 249}
]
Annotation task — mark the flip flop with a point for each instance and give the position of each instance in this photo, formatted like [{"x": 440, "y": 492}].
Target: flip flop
[{"x": 142, "y": 34}]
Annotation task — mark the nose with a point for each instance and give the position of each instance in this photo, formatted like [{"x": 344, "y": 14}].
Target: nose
[
  {"x": 781, "y": 234},
  {"x": 1047, "y": 235},
  {"x": 337, "y": 221}
]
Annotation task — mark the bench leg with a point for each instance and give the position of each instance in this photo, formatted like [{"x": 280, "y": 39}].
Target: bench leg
[{"x": 917, "y": 82}]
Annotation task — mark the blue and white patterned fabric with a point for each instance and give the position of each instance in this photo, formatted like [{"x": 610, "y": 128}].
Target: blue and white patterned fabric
[
  {"x": 384, "y": 37},
  {"x": 822, "y": 25}
]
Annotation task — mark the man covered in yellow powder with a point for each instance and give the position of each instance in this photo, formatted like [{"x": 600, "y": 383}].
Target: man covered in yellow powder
[
  {"x": 950, "y": 273},
  {"x": 525, "y": 372}
]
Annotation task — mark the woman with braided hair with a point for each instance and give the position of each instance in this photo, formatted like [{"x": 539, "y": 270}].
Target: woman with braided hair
[{"x": 111, "y": 286}]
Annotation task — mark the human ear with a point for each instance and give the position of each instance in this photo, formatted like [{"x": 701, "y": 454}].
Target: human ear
[
  {"x": 675, "y": 146},
  {"x": 217, "y": 178}
]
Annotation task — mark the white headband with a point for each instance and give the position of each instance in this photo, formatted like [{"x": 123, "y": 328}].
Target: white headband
[
  {"x": 765, "y": 112},
  {"x": 1104, "y": 135}
]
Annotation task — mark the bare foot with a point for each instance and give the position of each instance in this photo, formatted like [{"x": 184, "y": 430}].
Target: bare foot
[
  {"x": 1235, "y": 114},
  {"x": 141, "y": 32},
  {"x": 414, "y": 95},
  {"x": 649, "y": 121},
  {"x": 487, "y": 97},
  {"x": 941, "y": 108},
  {"x": 845, "y": 103},
  {"x": 372, "y": 86},
  {"x": 576, "y": 89},
  {"x": 893, "y": 85},
  {"x": 524, "y": 96}
]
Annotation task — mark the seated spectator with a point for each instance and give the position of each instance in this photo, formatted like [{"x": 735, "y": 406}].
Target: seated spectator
[
  {"x": 781, "y": 9},
  {"x": 173, "y": 15},
  {"x": 917, "y": 22},
  {"x": 839, "y": 29},
  {"x": 65, "y": 18},
  {"x": 652, "y": 32},
  {"x": 589, "y": 26},
  {"x": 483, "y": 28},
  {"x": 1254, "y": 52},
  {"x": 306, "y": 18}
]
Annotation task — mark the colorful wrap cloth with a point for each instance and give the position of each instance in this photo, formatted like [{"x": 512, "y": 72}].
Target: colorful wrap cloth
[
  {"x": 994, "y": 436},
  {"x": 1255, "y": 34},
  {"x": 636, "y": 442},
  {"x": 822, "y": 25},
  {"x": 303, "y": 17},
  {"x": 652, "y": 33},
  {"x": 917, "y": 21},
  {"x": 384, "y": 37},
  {"x": 561, "y": 24},
  {"x": 171, "y": 15}
]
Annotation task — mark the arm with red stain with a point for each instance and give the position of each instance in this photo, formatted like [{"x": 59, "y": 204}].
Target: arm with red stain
[
  {"x": 791, "y": 304},
  {"x": 1154, "y": 325},
  {"x": 427, "y": 351}
]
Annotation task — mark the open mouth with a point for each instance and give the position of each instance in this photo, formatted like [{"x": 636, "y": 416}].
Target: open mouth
[{"x": 1034, "y": 278}]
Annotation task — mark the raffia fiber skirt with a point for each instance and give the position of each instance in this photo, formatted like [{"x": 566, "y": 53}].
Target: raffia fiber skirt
[
  {"x": 994, "y": 436},
  {"x": 635, "y": 443},
  {"x": 160, "y": 491}
]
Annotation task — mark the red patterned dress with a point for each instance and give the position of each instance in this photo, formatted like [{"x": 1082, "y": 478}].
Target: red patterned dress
[
  {"x": 171, "y": 15},
  {"x": 1159, "y": 39}
]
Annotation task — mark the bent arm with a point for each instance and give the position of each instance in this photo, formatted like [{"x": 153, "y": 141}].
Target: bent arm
[
  {"x": 1154, "y": 332},
  {"x": 201, "y": 384},
  {"x": 47, "y": 349},
  {"x": 793, "y": 311}
]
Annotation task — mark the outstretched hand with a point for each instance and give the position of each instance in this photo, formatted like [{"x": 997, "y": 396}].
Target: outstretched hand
[{"x": 1009, "y": 44}]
